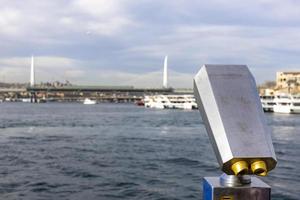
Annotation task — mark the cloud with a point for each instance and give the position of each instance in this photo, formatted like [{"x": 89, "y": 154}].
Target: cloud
[
  {"x": 61, "y": 69},
  {"x": 147, "y": 80},
  {"x": 9, "y": 20},
  {"x": 100, "y": 8},
  {"x": 261, "y": 48},
  {"x": 104, "y": 17},
  {"x": 17, "y": 69},
  {"x": 128, "y": 39}
]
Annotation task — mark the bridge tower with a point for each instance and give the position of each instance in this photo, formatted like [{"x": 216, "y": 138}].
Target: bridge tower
[
  {"x": 165, "y": 76},
  {"x": 33, "y": 98}
]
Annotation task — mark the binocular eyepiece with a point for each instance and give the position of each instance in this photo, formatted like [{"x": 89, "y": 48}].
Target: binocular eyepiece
[
  {"x": 258, "y": 167},
  {"x": 231, "y": 110}
]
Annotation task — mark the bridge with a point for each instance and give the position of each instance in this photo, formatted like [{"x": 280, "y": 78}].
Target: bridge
[
  {"x": 66, "y": 92},
  {"x": 100, "y": 93},
  {"x": 103, "y": 89}
]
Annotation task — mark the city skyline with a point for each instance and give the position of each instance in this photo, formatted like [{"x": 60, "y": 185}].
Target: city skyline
[{"x": 124, "y": 42}]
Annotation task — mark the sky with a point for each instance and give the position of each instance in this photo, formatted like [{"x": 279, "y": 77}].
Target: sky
[{"x": 123, "y": 42}]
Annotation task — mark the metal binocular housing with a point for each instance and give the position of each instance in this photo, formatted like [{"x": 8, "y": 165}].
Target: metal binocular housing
[{"x": 231, "y": 110}]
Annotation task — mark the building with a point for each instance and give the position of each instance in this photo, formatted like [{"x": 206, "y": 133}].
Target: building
[
  {"x": 266, "y": 91},
  {"x": 287, "y": 80}
]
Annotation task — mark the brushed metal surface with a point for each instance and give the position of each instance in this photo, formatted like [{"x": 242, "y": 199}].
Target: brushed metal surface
[{"x": 233, "y": 116}]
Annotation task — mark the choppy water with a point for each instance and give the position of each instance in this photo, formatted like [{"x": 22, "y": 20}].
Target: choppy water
[{"x": 119, "y": 151}]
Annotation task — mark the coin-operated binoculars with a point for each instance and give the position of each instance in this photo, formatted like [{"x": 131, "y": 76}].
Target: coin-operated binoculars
[{"x": 233, "y": 116}]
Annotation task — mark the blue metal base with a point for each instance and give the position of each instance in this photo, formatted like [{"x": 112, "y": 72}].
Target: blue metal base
[{"x": 256, "y": 190}]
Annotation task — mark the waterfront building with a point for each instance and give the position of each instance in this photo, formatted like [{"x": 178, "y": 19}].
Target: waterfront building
[
  {"x": 288, "y": 82},
  {"x": 287, "y": 79}
]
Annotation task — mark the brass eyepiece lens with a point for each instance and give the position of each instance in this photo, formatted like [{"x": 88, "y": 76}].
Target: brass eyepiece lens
[
  {"x": 240, "y": 168},
  {"x": 259, "y": 168}
]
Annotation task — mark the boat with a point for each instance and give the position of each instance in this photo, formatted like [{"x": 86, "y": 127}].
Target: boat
[
  {"x": 26, "y": 100},
  {"x": 267, "y": 102},
  {"x": 156, "y": 101},
  {"x": 33, "y": 100},
  {"x": 88, "y": 101},
  {"x": 186, "y": 102},
  {"x": 140, "y": 103},
  {"x": 286, "y": 103}
]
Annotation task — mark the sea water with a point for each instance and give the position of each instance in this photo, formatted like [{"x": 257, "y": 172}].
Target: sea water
[{"x": 122, "y": 151}]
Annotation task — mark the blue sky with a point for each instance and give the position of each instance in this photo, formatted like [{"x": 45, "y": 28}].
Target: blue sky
[{"x": 123, "y": 42}]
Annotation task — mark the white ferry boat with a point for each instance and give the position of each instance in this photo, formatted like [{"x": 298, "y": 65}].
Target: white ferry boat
[
  {"x": 285, "y": 103},
  {"x": 157, "y": 101},
  {"x": 186, "y": 102},
  {"x": 88, "y": 101},
  {"x": 267, "y": 102},
  {"x": 26, "y": 100}
]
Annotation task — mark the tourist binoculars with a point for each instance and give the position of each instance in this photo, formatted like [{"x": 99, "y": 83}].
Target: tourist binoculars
[{"x": 231, "y": 111}]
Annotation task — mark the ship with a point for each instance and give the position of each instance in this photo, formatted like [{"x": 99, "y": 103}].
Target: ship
[
  {"x": 88, "y": 101},
  {"x": 286, "y": 103},
  {"x": 267, "y": 102},
  {"x": 175, "y": 101}
]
